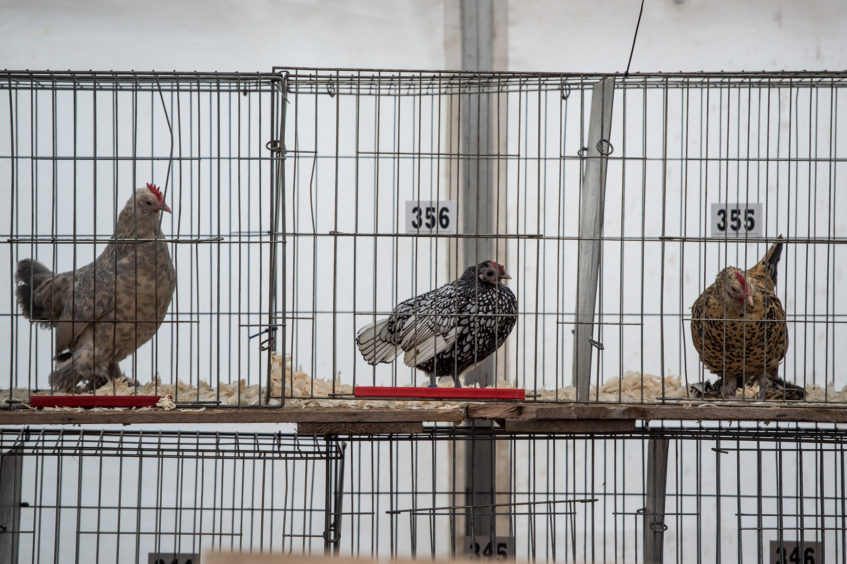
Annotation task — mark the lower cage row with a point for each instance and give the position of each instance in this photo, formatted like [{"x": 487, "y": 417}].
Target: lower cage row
[{"x": 686, "y": 493}]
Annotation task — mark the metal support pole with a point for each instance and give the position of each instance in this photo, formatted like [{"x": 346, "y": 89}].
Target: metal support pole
[
  {"x": 486, "y": 481},
  {"x": 592, "y": 198},
  {"x": 276, "y": 319},
  {"x": 477, "y": 196},
  {"x": 654, "y": 511}
]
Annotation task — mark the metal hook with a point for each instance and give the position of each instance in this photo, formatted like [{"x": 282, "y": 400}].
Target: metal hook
[{"x": 604, "y": 147}]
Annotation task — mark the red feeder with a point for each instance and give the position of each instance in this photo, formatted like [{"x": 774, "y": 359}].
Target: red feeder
[{"x": 94, "y": 401}]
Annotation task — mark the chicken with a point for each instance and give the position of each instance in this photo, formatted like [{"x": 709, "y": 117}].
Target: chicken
[
  {"x": 447, "y": 330},
  {"x": 105, "y": 310},
  {"x": 738, "y": 326}
]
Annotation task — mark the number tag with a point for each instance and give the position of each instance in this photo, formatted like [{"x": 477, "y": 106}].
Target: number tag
[
  {"x": 790, "y": 552},
  {"x": 501, "y": 548},
  {"x": 426, "y": 216},
  {"x": 737, "y": 220}
]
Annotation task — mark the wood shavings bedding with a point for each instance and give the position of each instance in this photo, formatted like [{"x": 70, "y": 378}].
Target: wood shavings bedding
[{"x": 299, "y": 389}]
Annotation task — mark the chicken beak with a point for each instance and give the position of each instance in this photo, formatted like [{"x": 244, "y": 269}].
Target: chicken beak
[
  {"x": 750, "y": 300},
  {"x": 505, "y": 276},
  {"x": 166, "y": 208}
]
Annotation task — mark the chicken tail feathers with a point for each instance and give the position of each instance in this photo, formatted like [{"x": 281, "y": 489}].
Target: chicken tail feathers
[
  {"x": 771, "y": 259},
  {"x": 29, "y": 276},
  {"x": 374, "y": 344}
]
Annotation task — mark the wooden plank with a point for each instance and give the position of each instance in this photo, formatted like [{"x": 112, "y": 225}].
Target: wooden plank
[
  {"x": 245, "y": 415},
  {"x": 295, "y": 558},
  {"x": 438, "y": 393},
  {"x": 647, "y": 412},
  {"x": 569, "y": 425},
  {"x": 94, "y": 401},
  {"x": 591, "y": 205},
  {"x": 358, "y": 428},
  {"x": 489, "y": 411},
  {"x": 496, "y": 411}
]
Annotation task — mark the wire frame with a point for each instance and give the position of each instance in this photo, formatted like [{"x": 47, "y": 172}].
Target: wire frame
[
  {"x": 290, "y": 228},
  {"x": 362, "y": 145},
  {"x": 107, "y": 495},
  {"x": 75, "y": 145}
]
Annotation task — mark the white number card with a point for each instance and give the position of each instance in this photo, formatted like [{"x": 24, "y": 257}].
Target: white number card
[
  {"x": 426, "y": 216},
  {"x": 737, "y": 220}
]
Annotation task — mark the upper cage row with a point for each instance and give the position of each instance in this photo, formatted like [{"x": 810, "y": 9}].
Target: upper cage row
[{"x": 308, "y": 204}]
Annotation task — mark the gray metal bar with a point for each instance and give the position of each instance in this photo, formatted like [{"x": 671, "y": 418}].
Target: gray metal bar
[
  {"x": 654, "y": 510},
  {"x": 477, "y": 199},
  {"x": 11, "y": 468},
  {"x": 591, "y": 206}
]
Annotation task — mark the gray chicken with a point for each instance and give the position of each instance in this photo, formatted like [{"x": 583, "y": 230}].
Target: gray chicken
[
  {"x": 447, "y": 330},
  {"x": 105, "y": 310}
]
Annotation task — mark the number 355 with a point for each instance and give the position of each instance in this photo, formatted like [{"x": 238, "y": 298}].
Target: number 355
[{"x": 735, "y": 219}]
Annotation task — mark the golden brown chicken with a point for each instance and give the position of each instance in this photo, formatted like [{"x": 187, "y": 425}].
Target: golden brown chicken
[{"x": 738, "y": 326}]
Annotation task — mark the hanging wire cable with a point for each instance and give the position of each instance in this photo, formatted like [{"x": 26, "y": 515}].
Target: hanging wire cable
[{"x": 634, "y": 37}]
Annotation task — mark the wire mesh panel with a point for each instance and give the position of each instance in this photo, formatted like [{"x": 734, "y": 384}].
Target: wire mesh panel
[
  {"x": 730, "y": 493},
  {"x": 75, "y": 147},
  {"x": 395, "y": 182},
  {"x": 119, "y": 496},
  {"x": 733, "y": 493}
]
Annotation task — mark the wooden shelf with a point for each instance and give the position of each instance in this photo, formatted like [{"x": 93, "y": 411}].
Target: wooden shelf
[
  {"x": 730, "y": 411},
  {"x": 518, "y": 417},
  {"x": 240, "y": 415}
]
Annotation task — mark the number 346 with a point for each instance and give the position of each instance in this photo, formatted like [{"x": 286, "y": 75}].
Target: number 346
[
  {"x": 735, "y": 219},
  {"x": 808, "y": 556}
]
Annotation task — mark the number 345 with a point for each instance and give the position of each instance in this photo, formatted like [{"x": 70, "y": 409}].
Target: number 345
[{"x": 735, "y": 219}]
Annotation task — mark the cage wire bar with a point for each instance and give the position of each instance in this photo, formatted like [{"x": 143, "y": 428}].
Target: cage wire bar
[
  {"x": 361, "y": 145},
  {"x": 74, "y": 147},
  {"x": 105, "y": 495}
]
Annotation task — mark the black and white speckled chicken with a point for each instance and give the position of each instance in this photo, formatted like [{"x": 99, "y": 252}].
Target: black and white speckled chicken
[{"x": 447, "y": 330}]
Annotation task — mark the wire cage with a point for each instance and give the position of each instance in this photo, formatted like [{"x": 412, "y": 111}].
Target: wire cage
[
  {"x": 734, "y": 493},
  {"x": 601, "y": 195},
  {"x": 74, "y": 148},
  {"x": 92, "y": 496},
  {"x": 295, "y": 193}
]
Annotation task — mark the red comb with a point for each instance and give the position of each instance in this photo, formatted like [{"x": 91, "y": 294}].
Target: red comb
[
  {"x": 156, "y": 192},
  {"x": 741, "y": 279}
]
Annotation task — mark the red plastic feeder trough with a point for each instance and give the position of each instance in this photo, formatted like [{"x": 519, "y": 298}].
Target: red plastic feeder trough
[
  {"x": 94, "y": 401},
  {"x": 389, "y": 392}
]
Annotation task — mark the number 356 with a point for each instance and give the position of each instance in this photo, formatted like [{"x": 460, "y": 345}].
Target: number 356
[{"x": 429, "y": 216}]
